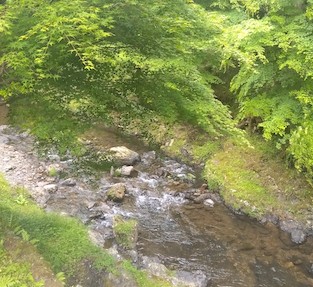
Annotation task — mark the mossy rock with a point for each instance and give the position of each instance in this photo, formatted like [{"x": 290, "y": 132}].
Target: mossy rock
[
  {"x": 116, "y": 192},
  {"x": 125, "y": 232}
]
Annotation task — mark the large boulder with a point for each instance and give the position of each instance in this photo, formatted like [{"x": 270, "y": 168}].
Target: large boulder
[
  {"x": 116, "y": 192},
  {"x": 124, "y": 156}
]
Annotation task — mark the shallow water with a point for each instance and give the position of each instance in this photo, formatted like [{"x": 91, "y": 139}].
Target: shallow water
[{"x": 232, "y": 250}]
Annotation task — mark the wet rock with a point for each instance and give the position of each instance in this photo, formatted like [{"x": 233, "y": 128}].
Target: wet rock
[
  {"x": 127, "y": 170},
  {"x": 148, "y": 156},
  {"x": 208, "y": 202},
  {"x": 297, "y": 233},
  {"x": 68, "y": 182},
  {"x": 116, "y": 192},
  {"x": 159, "y": 270},
  {"x": 202, "y": 197},
  {"x": 189, "y": 195},
  {"x": 272, "y": 218},
  {"x": 97, "y": 214},
  {"x": 199, "y": 278},
  {"x": 123, "y": 279},
  {"x": 51, "y": 188},
  {"x": 96, "y": 238},
  {"x": 245, "y": 246},
  {"x": 125, "y": 232},
  {"x": 297, "y": 262},
  {"x": 124, "y": 156},
  {"x": 298, "y": 236}
]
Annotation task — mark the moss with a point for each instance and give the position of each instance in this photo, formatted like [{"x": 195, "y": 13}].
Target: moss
[
  {"x": 253, "y": 179},
  {"x": 53, "y": 172},
  {"x": 142, "y": 278},
  {"x": 125, "y": 231}
]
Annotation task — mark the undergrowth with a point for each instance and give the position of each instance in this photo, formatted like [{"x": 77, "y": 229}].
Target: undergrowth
[
  {"x": 62, "y": 241},
  {"x": 15, "y": 274}
]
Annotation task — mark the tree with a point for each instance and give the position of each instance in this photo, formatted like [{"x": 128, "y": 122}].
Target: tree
[
  {"x": 271, "y": 46},
  {"x": 74, "y": 64}
]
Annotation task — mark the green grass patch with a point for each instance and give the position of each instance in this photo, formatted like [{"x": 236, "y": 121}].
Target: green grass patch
[
  {"x": 241, "y": 185},
  {"x": 61, "y": 240},
  {"x": 15, "y": 274},
  {"x": 254, "y": 179}
]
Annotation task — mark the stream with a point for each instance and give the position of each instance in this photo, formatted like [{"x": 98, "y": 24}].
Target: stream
[{"x": 229, "y": 250}]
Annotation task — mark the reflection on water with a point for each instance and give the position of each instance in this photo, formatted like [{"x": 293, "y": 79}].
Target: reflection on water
[{"x": 233, "y": 250}]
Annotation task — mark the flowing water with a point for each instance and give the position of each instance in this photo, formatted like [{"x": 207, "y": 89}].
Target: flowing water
[{"x": 231, "y": 250}]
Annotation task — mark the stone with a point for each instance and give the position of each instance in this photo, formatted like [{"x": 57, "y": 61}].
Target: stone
[
  {"x": 51, "y": 188},
  {"x": 297, "y": 233},
  {"x": 198, "y": 277},
  {"x": 159, "y": 270},
  {"x": 96, "y": 238},
  {"x": 298, "y": 236},
  {"x": 127, "y": 170},
  {"x": 124, "y": 156},
  {"x": 208, "y": 202},
  {"x": 201, "y": 198},
  {"x": 68, "y": 182},
  {"x": 116, "y": 192},
  {"x": 289, "y": 265}
]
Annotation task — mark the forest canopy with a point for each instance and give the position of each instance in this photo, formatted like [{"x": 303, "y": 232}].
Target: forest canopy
[{"x": 67, "y": 65}]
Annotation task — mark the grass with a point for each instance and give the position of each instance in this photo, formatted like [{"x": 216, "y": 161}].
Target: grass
[
  {"x": 16, "y": 274},
  {"x": 256, "y": 181},
  {"x": 62, "y": 241}
]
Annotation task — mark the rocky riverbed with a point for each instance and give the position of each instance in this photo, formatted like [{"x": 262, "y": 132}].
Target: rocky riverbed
[{"x": 181, "y": 223}]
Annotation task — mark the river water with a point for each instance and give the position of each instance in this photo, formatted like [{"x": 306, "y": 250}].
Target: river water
[{"x": 231, "y": 250}]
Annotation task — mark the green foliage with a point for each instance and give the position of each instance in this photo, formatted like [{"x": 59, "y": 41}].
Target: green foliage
[
  {"x": 125, "y": 231},
  {"x": 15, "y": 274},
  {"x": 273, "y": 51},
  {"x": 62, "y": 241},
  {"x": 68, "y": 66}
]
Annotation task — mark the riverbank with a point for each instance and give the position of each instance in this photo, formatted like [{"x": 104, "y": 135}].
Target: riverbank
[
  {"x": 248, "y": 172},
  {"x": 53, "y": 227},
  {"x": 172, "y": 219}
]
